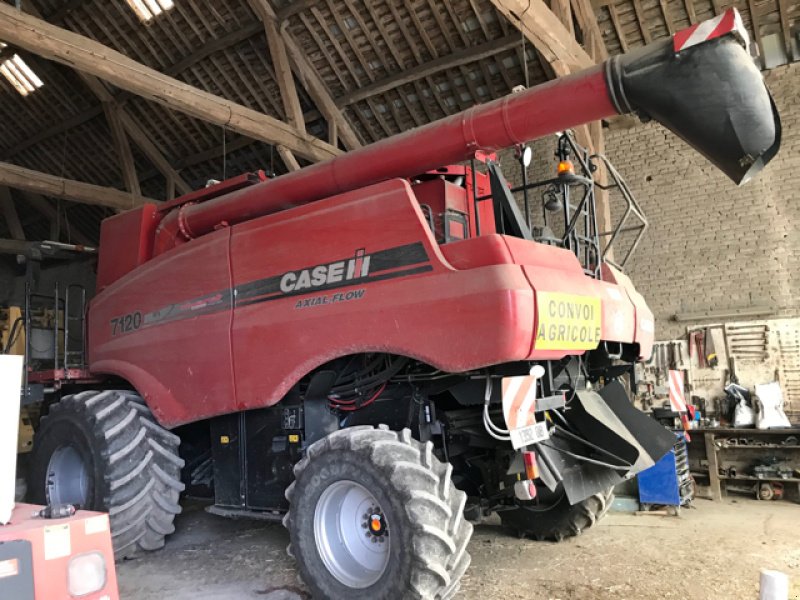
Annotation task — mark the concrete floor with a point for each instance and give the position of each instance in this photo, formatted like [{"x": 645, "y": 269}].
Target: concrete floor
[{"x": 712, "y": 551}]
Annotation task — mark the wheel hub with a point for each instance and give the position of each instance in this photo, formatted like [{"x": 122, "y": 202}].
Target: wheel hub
[
  {"x": 352, "y": 534},
  {"x": 375, "y": 524},
  {"x": 67, "y": 478}
]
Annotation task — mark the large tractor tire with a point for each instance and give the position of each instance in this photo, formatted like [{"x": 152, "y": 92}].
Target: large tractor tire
[
  {"x": 104, "y": 451},
  {"x": 374, "y": 515},
  {"x": 554, "y": 518}
]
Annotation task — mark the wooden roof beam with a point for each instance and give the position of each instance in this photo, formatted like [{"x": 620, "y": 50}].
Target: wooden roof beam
[
  {"x": 91, "y": 57},
  {"x": 592, "y": 36},
  {"x": 443, "y": 63},
  {"x": 131, "y": 129},
  {"x": 783, "y": 11},
  {"x": 37, "y": 182},
  {"x": 280, "y": 63},
  {"x": 14, "y": 246},
  {"x": 10, "y": 214},
  {"x": 319, "y": 93}
]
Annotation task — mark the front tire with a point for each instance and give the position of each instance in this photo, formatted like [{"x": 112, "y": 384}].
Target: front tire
[
  {"x": 104, "y": 451},
  {"x": 555, "y": 518},
  {"x": 374, "y": 515}
]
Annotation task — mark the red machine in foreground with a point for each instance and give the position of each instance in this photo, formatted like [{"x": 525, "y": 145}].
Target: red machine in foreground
[
  {"x": 55, "y": 559},
  {"x": 273, "y": 324}
]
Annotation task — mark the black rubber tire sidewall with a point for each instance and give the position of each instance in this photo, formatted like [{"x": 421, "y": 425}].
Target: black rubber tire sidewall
[
  {"x": 315, "y": 479},
  {"x": 66, "y": 429}
]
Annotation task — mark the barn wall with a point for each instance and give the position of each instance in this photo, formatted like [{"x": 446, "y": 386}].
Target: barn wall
[{"x": 712, "y": 246}]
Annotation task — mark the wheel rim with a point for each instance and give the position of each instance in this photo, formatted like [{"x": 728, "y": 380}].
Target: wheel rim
[
  {"x": 352, "y": 534},
  {"x": 67, "y": 478}
]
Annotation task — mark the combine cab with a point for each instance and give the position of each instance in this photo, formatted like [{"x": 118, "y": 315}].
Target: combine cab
[{"x": 378, "y": 348}]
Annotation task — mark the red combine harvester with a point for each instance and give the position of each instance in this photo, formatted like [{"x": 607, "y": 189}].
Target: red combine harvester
[{"x": 378, "y": 349}]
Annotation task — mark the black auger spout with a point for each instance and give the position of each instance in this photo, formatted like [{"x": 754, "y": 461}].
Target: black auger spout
[{"x": 707, "y": 91}]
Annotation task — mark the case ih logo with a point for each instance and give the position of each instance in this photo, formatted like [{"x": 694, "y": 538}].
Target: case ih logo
[{"x": 322, "y": 275}]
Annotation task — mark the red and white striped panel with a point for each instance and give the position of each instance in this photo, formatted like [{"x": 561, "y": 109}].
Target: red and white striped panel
[
  {"x": 728, "y": 22},
  {"x": 519, "y": 401},
  {"x": 676, "y": 396}
]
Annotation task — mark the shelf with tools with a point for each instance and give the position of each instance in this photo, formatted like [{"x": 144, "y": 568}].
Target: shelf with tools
[{"x": 762, "y": 461}]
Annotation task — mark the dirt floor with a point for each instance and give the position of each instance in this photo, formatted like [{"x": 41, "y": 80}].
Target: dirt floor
[{"x": 712, "y": 551}]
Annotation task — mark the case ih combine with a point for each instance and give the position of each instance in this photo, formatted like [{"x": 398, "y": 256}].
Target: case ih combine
[{"x": 378, "y": 349}]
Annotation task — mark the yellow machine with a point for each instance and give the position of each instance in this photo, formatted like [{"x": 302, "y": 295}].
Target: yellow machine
[
  {"x": 12, "y": 341},
  {"x": 8, "y": 318}
]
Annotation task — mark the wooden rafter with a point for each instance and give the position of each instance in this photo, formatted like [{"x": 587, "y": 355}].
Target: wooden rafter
[
  {"x": 443, "y": 63},
  {"x": 544, "y": 30},
  {"x": 41, "y": 205},
  {"x": 783, "y": 10},
  {"x": 614, "y": 15},
  {"x": 755, "y": 23},
  {"x": 592, "y": 36},
  {"x": 667, "y": 19},
  {"x": 280, "y": 63},
  {"x": 92, "y": 57},
  {"x": 642, "y": 21},
  {"x": 21, "y": 178},
  {"x": 562, "y": 10},
  {"x": 690, "y": 12},
  {"x": 14, "y": 246},
  {"x": 124, "y": 127},
  {"x": 319, "y": 93},
  {"x": 10, "y": 214}
]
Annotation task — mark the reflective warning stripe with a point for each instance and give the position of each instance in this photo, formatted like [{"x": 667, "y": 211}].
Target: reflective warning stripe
[
  {"x": 676, "y": 395},
  {"x": 728, "y": 22},
  {"x": 519, "y": 401}
]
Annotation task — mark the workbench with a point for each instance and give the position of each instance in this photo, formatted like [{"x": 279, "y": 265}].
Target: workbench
[{"x": 727, "y": 456}]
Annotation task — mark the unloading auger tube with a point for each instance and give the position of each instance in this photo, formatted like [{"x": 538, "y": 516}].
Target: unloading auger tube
[{"x": 710, "y": 94}]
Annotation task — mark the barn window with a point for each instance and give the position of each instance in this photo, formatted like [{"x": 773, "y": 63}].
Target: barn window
[
  {"x": 19, "y": 74},
  {"x": 147, "y": 10}
]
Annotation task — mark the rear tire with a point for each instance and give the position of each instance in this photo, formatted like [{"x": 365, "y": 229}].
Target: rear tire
[
  {"x": 558, "y": 520},
  {"x": 392, "y": 475},
  {"x": 126, "y": 465}
]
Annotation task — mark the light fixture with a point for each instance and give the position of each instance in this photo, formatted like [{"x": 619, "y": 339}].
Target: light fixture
[
  {"x": 19, "y": 74},
  {"x": 147, "y": 10}
]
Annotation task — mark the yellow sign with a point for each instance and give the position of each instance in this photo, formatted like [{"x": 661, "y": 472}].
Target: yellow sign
[{"x": 567, "y": 322}]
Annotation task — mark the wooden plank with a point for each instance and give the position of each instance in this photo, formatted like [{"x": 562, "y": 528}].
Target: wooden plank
[
  {"x": 667, "y": 19},
  {"x": 690, "y": 12},
  {"x": 756, "y": 25},
  {"x": 21, "y": 178},
  {"x": 14, "y": 246},
  {"x": 122, "y": 148},
  {"x": 280, "y": 63},
  {"x": 86, "y": 55},
  {"x": 293, "y": 8},
  {"x": 543, "y": 29},
  {"x": 783, "y": 10},
  {"x": 288, "y": 158},
  {"x": 124, "y": 126},
  {"x": 213, "y": 46},
  {"x": 152, "y": 152},
  {"x": 562, "y": 10},
  {"x": 320, "y": 94},
  {"x": 641, "y": 20},
  {"x": 443, "y": 63},
  {"x": 713, "y": 467},
  {"x": 612, "y": 13},
  {"x": 11, "y": 215},
  {"x": 592, "y": 36}
]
